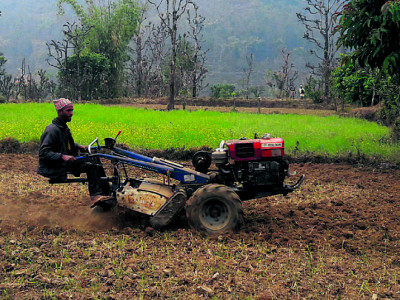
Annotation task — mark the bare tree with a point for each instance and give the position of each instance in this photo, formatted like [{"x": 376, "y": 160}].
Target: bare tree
[
  {"x": 59, "y": 53},
  {"x": 6, "y": 86},
  {"x": 21, "y": 84},
  {"x": 249, "y": 60},
  {"x": 32, "y": 86},
  {"x": 319, "y": 22},
  {"x": 45, "y": 86},
  {"x": 185, "y": 66},
  {"x": 137, "y": 65},
  {"x": 196, "y": 23},
  {"x": 148, "y": 54},
  {"x": 284, "y": 78},
  {"x": 145, "y": 68},
  {"x": 174, "y": 9},
  {"x": 76, "y": 35}
]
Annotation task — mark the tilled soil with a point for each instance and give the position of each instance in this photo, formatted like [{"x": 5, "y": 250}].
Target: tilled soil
[{"x": 336, "y": 237}]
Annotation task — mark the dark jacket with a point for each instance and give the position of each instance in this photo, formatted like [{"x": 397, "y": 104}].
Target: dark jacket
[{"x": 55, "y": 141}]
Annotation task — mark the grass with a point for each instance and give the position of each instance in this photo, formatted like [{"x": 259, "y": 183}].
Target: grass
[{"x": 150, "y": 129}]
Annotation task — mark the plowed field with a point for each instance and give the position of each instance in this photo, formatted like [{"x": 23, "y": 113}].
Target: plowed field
[{"x": 338, "y": 237}]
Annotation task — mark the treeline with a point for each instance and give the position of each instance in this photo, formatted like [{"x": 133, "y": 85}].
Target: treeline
[
  {"x": 118, "y": 50},
  {"x": 115, "y": 51},
  {"x": 370, "y": 73}
]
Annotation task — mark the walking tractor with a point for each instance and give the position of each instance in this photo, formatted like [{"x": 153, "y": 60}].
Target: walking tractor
[{"x": 243, "y": 169}]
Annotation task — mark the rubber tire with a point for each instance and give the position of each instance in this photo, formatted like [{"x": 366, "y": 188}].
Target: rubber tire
[{"x": 219, "y": 200}]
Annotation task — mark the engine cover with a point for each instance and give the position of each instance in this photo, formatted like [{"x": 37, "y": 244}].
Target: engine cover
[
  {"x": 147, "y": 198},
  {"x": 255, "y": 149}
]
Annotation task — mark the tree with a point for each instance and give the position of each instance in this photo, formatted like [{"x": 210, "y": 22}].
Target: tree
[
  {"x": 138, "y": 65},
  {"x": 257, "y": 90},
  {"x": 112, "y": 28},
  {"x": 5, "y": 80},
  {"x": 93, "y": 74},
  {"x": 371, "y": 28},
  {"x": 146, "y": 67},
  {"x": 3, "y": 60},
  {"x": 6, "y": 86},
  {"x": 312, "y": 89},
  {"x": 222, "y": 90},
  {"x": 60, "y": 56},
  {"x": 281, "y": 80},
  {"x": 174, "y": 9},
  {"x": 249, "y": 60},
  {"x": 355, "y": 85},
  {"x": 319, "y": 22},
  {"x": 196, "y": 23},
  {"x": 184, "y": 66},
  {"x": 158, "y": 53}
]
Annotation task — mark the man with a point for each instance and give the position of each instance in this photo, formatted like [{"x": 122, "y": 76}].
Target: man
[
  {"x": 58, "y": 151},
  {"x": 301, "y": 92},
  {"x": 292, "y": 91}
]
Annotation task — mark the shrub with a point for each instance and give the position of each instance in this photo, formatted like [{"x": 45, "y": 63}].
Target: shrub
[
  {"x": 312, "y": 90},
  {"x": 354, "y": 84},
  {"x": 222, "y": 90},
  {"x": 396, "y": 130},
  {"x": 368, "y": 113},
  {"x": 390, "y": 111}
]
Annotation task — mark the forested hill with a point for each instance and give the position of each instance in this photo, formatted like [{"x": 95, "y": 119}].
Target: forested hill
[{"x": 233, "y": 30}]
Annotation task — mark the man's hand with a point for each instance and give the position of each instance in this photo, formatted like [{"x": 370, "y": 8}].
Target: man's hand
[
  {"x": 83, "y": 148},
  {"x": 68, "y": 158}
]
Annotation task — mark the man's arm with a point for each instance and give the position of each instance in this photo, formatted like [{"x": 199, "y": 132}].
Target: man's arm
[{"x": 48, "y": 148}]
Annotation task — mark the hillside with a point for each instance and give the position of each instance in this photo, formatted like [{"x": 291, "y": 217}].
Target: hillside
[{"x": 234, "y": 29}]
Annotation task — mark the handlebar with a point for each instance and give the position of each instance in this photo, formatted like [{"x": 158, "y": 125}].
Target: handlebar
[
  {"x": 110, "y": 142},
  {"x": 96, "y": 140}
]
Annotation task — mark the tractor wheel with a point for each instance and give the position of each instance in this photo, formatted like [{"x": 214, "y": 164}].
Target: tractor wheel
[{"x": 214, "y": 209}]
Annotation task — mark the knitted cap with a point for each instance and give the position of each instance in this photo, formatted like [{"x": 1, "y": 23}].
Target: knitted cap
[{"x": 60, "y": 103}]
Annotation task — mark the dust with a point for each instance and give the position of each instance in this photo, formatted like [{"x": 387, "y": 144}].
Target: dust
[
  {"x": 27, "y": 200},
  {"x": 17, "y": 214}
]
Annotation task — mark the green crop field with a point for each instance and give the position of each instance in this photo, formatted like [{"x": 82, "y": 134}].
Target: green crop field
[{"x": 149, "y": 129}]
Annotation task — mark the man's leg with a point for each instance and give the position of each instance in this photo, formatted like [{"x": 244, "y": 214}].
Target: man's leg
[{"x": 94, "y": 169}]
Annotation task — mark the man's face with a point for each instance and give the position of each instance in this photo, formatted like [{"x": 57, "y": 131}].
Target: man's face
[{"x": 66, "y": 113}]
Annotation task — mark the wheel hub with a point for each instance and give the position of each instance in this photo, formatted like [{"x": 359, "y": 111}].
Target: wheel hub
[{"x": 215, "y": 214}]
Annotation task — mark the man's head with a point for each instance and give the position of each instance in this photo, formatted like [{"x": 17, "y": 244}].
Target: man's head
[{"x": 64, "y": 108}]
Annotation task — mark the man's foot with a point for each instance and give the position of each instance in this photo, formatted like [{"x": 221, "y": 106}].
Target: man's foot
[{"x": 106, "y": 202}]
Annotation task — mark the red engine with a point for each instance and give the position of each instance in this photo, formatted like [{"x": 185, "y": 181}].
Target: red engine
[
  {"x": 254, "y": 166},
  {"x": 255, "y": 149}
]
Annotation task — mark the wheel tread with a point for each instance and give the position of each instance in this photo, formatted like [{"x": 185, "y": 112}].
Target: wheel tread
[{"x": 194, "y": 203}]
